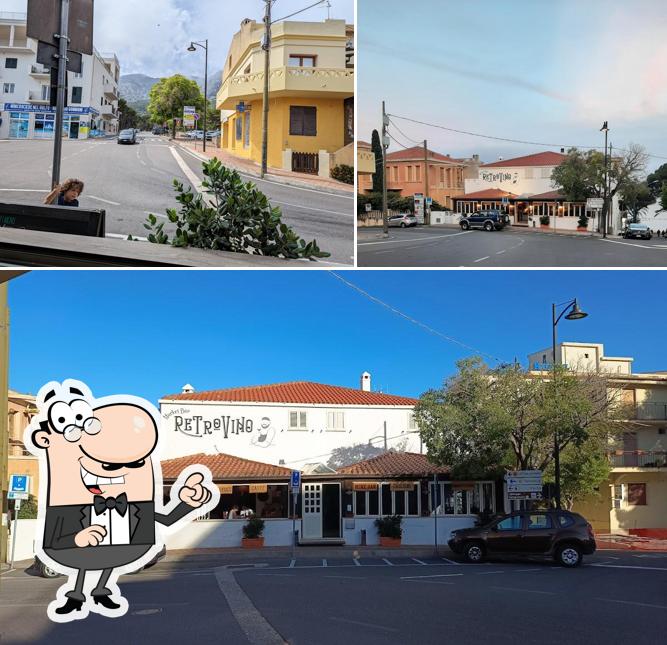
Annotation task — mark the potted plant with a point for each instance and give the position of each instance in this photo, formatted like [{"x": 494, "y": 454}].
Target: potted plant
[
  {"x": 544, "y": 221},
  {"x": 582, "y": 222},
  {"x": 389, "y": 529},
  {"x": 252, "y": 533}
]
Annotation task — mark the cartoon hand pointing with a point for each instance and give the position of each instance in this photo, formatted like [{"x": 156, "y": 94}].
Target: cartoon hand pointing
[{"x": 194, "y": 493}]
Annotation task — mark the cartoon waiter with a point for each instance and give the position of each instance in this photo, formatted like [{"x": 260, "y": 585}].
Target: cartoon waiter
[{"x": 97, "y": 502}]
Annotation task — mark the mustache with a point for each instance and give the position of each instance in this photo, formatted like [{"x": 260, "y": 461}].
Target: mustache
[{"x": 131, "y": 464}]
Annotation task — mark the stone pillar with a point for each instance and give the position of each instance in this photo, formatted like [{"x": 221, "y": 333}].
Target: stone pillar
[
  {"x": 287, "y": 159},
  {"x": 325, "y": 164}
]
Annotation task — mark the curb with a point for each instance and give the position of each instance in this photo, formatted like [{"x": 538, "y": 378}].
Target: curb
[{"x": 276, "y": 179}]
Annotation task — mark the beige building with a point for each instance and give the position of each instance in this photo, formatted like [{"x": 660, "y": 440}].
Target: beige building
[
  {"x": 365, "y": 162},
  {"x": 311, "y": 94},
  {"x": 634, "y": 501},
  {"x": 21, "y": 409}
]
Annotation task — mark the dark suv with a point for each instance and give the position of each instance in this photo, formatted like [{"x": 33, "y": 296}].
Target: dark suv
[
  {"x": 564, "y": 536},
  {"x": 488, "y": 220}
]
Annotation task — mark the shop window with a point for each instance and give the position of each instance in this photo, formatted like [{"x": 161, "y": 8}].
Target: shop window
[
  {"x": 44, "y": 126},
  {"x": 19, "y": 124},
  {"x": 239, "y": 501},
  {"x": 636, "y": 494},
  {"x": 366, "y": 502},
  {"x": 298, "y": 60},
  {"x": 335, "y": 420},
  {"x": 77, "y": 93},
  {"x": 463, "y": 499},
  {"x": 298, "y": 420},
  {"x": 360, "y": 503},
  {"x": 11, "y": 63},
  {"x": 303, "y": 121},
  {"x": 400, "y": 502}
]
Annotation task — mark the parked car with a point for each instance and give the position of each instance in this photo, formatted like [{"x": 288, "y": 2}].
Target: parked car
[
  {"x": 212, "y": 134},
  {"x": 491, "y": 220},
  {"x": 562, "y": 535},
  {"x": 127, "y": 136},
  {"x": 403, "y": 220},
  {"x": 637, "y": 231},
  {"x": 41, "y": 569},
  {"x": 159, "y": 130}
]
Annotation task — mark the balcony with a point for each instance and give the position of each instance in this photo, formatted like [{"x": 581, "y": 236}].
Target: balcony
[
  {"x": 111, "y": 93},
  {"x": 108, "y": 112},
  {"x": 651, "y": 412},
  {"x": 287, "y": 81},
  {"x": 38, "y": 97},
  {"x": 638, "y": 459},
  {"x": 39, "y": 70}
]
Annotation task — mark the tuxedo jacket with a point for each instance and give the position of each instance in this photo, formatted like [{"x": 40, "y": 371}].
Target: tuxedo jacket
[{"x": 64, "y": 522}]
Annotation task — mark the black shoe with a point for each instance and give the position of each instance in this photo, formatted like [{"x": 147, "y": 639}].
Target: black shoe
[
  {"x": 106, "y": 601},
  {"x": 70, "y": 606}
]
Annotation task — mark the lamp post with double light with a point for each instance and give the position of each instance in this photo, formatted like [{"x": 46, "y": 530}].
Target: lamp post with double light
[
  {"x": 571, "y": 311},
  {"x": 193, "y": 47}
]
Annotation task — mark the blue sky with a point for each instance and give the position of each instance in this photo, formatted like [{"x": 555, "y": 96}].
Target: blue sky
[
  {"x": 151, "y": 36},
  {"x": 148, "y": 333},
  {"x": 521, "y": 69}
]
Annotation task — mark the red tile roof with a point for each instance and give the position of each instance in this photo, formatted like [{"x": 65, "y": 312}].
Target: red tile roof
[
  {"x": 489, "y": 193},
  {"x": 296, "y": 392},
  {"x": 540, "y": 159},
  {"x": 551, "y": 194},
  {"x": 225, "y": 467},
  {"x": 363, "y": 144},
  {"x": 395, "y": 464},
  {"x": 417, "y": 153}
]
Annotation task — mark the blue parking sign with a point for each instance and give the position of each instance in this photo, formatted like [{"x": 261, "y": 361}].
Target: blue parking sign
[
  {"x": 18, "y": 484},
  {"x": 296, "y": 479}
]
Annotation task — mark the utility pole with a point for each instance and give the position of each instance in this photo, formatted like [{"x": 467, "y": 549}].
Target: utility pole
[
  {"x": 605, "y": 129},
  {"x": 205, "y": 92},
  {"x": 427, "y": 220},
  {"x": 63, "y": 42},
  {"x": 266, "y": 46},
  {"x": 4, "y": 419},
  {"x": 385, "y": 145}
]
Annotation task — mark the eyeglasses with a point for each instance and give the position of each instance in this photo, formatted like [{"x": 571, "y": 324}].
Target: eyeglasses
[{"x": 90, "y": 426}]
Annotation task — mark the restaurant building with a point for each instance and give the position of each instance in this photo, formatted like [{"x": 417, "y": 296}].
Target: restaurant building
[
  {"x": 311, "y": 94},
  {"x": 523, "y": 188},
  {"x": 25, "y": 110}
]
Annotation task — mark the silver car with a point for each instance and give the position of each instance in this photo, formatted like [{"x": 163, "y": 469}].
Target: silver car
[{"x": 403, "y": 221}]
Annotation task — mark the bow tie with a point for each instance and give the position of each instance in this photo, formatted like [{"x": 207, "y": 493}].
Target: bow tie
[{"x": 101, "y": 504}]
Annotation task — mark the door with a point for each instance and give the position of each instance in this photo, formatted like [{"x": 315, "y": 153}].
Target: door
[
  {"x": 505, "y": 536},
  {"x": 331, "y": 511},
  {"x": 311, "y": 523},
  {"x": 74, "y": 130},
  {"x": 539, "y": 533},
  {"x": 521, "y": 214}
]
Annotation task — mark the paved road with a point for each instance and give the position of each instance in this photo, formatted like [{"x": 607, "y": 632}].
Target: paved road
[
  {"x": 450, "y": 247},
  {"x": 616, "y": 597},
  {"x": 131, "y": 181}
]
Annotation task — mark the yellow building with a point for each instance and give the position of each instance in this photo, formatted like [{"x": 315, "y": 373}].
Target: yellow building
[
  {"x": 21, "y": 409},
  {"x": 365, "y": 160},
  {"x": 311, "y": 94},
  {"x": 634, "y": 500}
]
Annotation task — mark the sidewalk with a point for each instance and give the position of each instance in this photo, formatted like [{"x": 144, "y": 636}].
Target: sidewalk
[
  {"x": 250, "y": 167},
  {"x": 630, "y": 543}
]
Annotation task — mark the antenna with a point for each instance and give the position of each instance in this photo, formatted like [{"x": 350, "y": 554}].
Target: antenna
[{"x": 328, "y": 10}]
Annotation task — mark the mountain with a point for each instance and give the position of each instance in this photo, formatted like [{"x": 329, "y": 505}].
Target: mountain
[{"x": 135, "y": 88}]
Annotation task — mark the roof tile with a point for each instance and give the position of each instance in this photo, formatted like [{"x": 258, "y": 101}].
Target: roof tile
[
  {"x": 417, "y": 153},
  {"x": 548, "y": 158},
  {"x": 224, "y": 467},
  {"x": 395, "y": 464}
]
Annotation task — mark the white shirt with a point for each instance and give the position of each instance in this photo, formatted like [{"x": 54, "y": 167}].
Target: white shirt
[{"x": 117, "y": 526}]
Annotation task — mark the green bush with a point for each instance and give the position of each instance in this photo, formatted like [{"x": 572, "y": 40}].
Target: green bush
[
  {"x": 253, "y": 528},
  {"x": 28, "y": 510},
  {"x": 389, "y": 526},
  {"x": 544, "y": 219},
  {"x": 237, "y": 218},
  {"x": 583, "y": 220},
  {"x": 343, "y": 173}
]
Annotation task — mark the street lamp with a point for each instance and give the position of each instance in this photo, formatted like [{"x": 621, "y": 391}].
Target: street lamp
[
  {"x": 605, "y": 129},
  {"x": 571, "y": 311},
  {"x": 193, "y": 47}
]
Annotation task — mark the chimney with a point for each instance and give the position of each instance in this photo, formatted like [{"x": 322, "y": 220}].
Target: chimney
[
  {"x": 187, "y": 389},
  {"x": 365, "y": 382},
  {"x": 562, "y": 151},
  {"x": 475, "y": 158}
]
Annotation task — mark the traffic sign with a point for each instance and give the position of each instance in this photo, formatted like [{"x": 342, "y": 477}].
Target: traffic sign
[
  {"x": 15, "y": 495},
  {"x": 524, "y": 495},
  {"x": 295, "y": 480},
  {"x": 18, "y": 483},
  {"x": 594, "y": 203}
]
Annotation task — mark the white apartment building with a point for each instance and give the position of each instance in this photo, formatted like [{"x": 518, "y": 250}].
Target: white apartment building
[
  {"x": 286, "y": 424},
  {"x": 25, "y": 113}
]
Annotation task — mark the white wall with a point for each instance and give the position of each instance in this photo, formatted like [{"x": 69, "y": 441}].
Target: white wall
[
  {"x": 445, "y": 218},
  {"x": 512, "y": 179},
  {"x": 25, "y": 540},
  {"x": 295, "y": 447},
  {"x": 417, "y": 531}
]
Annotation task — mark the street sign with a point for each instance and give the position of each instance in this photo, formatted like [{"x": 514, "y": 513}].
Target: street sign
[
  {"x": 17, "y": 496},
  {"x": 429, "y": 201},
  {"x": 594, "y": 203},
  {"x": 19, "y": 483},
  {"x": 241, "y": 107},
  {"x": 369, "y": 207},
  {"x": 524, "y": 483},
  {"x": 189, "y": 115},
  {"x": 43, "y": 22},
  {"x": 48, "y": 55},
  {"x": 295, "y": 480},
  {"x": 419, "y": 207},
  {"x": 524, "y": 495}
]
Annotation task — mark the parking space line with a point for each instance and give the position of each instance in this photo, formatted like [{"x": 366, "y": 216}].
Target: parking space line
[
  {"x": 632, "y": 602},
  {"x": 546, "y": 593},
  {"x": 449, "y": 561},
  {"x": 361, "y": 624},
  {"x": 106, "y": 201},
  {"x": 482, "y": 259},
  {"x": 391, "y": 564},
  {"x": 324, "y": 562},
  {"x": 348, "y": 577},
  {"x": 291, "y": 564},
  {"x": 628, "y": 566},
  {"x": 488, "y": 573},
  {"x": 356, "y": 561},
  {"x": 414, "y": 239},
  {"x": 418, "y": 561},
  {"x": 431, "y": 582},
  {"x": 437, "y": 575}
]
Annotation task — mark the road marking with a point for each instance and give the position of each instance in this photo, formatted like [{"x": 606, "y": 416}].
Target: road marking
[
  {"x": 638, "y": 246},
  {"x": 292, "y": 563},
  {"x": 24, "y": 190},
  {"x": 347, "y": 577},
  {"x": 431, "y": 582},
  {"x": 500, "y": 252},
  {"x": 488, "y": 573},
  {"x": 2, "y": 574},
  {"x": 449, "y": 561},
  {"x": 192, "y": 178},
  {"x": 123, "y": 236},
  {"x": 106, "y": 201},
  {"x": 414, "y": 239},
  {"x": 628, "y": 566},
  {"x": 310, "y": 208},
  {"x": 358, "y": 622},
  {"x": 546, "y": 593},
  {"x": 391, "y": 564},
  {"x": 250, "y": 620},
  {"x": 156, "y": 214},
  {"x": 481, "y": 259},
  {"x": 439, "y": 575},
  {"x": 278, "y": 575},
  {"x": 631, "y": 602},
  {"x": 356, "y": 562},
  {"x": 324, "y": 562},
  {"x": 419, "y": 561}
]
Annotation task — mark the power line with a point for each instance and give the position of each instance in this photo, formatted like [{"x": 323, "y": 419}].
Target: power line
[
  {"x": 414, "y": 321},
  {"x": 530, "y": 143},
  {"x": 397, "y": 141},
  {"x": 300, "y": 11},
  {"x": 405, "y": 135}
]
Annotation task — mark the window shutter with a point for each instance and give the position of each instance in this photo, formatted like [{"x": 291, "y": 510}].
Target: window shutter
[
  {"x": 310, "y": 121},
  {"x": 295, "y": 120}
]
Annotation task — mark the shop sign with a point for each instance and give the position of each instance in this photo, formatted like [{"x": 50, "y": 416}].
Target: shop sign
[
  {"x": 225, "y": 489},
  {"x": 402, "y": 486},
  {"x": 197, "y": 426},
  {"x": 466, "y": 487},
  {"x": 29, "y": 107},
  {"x": 364, "y": 486},
  {"x": 258, "y": 488},
  {"x": 494, "y": 177}
]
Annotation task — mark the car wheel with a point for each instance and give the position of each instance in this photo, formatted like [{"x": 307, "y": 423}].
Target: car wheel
[
  {"x": 473, "y": 552},
  {"x": 488, "y": 226},
  {"x": 47, "y": 572},
  {"x": 402, "y": 224},
  {"x": 568, "y": 555},
  {"x": 465, "y": 226}
]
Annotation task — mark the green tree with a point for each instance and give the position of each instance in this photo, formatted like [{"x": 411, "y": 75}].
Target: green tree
[
  {"x": 169, "y": 96},
  {"x": 663, "y": 198},
  {"x": 657, "y": 180},
  {"x": 376, "y": 146},
  {"x": 128, "y": 116},
  {"x": 635, "y": 196},
  {"x": 484, "y": 421}
]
